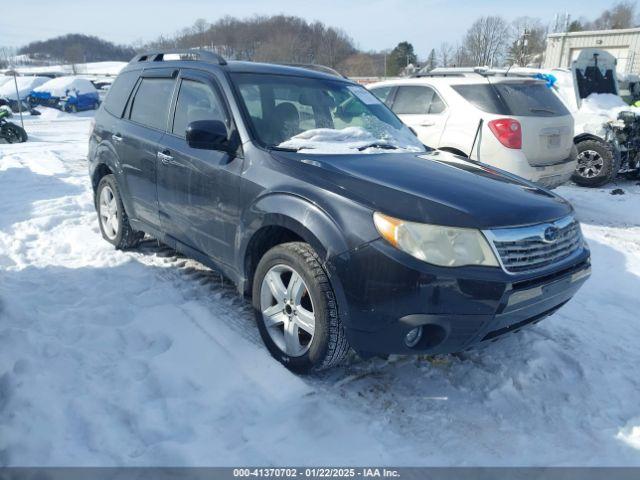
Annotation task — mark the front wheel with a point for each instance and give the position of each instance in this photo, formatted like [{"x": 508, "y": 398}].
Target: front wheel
[
  {"x": 113, "y": 220},
  {"x": 596, "y": 165},
  {"x": 296, "y": 309}
]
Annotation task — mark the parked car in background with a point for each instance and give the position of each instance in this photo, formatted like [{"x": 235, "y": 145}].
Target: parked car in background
[
  {"x": 69, "y": 94},
  {"x": 513, "y": 124},
  {"x": 607, "y": 130},
  {"x": 25, "y": 87},
  {"x": 319, "y": 203}
]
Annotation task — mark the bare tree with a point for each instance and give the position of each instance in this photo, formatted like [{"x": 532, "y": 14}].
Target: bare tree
[
  {"x": 485, "y": 40},
  {"x": 73, "y": 55},
  {"x": 445, "y": 54},
  {"x": 529, "y": 42},
  {"x": 621, "y": 15}
]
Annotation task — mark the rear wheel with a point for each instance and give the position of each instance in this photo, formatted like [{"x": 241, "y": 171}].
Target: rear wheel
[
  {"x": 113, "y": 220},
  {"x": 596, "y": 165},
  {"x": 296, "y": 309}
]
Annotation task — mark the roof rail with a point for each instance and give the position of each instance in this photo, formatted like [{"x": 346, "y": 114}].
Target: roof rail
[
  {"x": 316, "y": 68},
  {"x": 455, "y": 72},
  {"x": 186, "y": 54}
]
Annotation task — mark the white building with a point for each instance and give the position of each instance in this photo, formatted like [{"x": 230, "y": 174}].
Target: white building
[{"x": 563, "y": 48}]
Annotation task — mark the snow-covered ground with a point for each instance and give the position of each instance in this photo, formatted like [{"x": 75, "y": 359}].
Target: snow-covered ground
[{"x": 146, "y": 358}]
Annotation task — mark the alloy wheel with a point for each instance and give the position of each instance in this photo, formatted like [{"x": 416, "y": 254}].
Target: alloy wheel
[
  {"x": 287, "y": 310},
  {"x": 108, "y": 210},
  {"x": 590, "y": 164}
]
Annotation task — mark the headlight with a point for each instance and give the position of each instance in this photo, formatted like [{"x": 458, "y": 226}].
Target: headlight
[{"x": 443, "y": 246}]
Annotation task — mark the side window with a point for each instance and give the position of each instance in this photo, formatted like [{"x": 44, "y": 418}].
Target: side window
[
  {"x": 196, "y": 101},
  {"x": 412, "y": 100},
  {"x": 119, "y": 93},
  {"x": 382, "y": 93},
  {"x": 151, "y": 104},
  {"x": 437, "y": 105}
]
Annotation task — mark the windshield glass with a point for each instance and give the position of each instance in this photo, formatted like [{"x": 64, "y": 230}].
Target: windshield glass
[{"x": 321, "y": 116}]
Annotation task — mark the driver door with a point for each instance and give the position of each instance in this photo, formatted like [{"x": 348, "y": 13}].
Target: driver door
[{"x": 198, "y": 188}]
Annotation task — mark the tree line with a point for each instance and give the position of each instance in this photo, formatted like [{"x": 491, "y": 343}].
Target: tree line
[{"x": 490, "y": 40}]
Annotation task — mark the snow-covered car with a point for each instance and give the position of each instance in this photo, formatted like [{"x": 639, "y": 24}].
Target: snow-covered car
[
  {"x": 25, "y": 87},
  {"x": 69, "y": 94},
  {"x": 510, "y": 123}
]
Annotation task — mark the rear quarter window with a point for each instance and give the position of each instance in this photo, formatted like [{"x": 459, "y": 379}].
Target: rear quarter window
[
  {"x": 119, "y": 93},
  {"x": 483, "y": 97}
]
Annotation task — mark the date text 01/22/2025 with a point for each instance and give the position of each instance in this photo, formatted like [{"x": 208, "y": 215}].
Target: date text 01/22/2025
[{"x": 316, "y": 472}]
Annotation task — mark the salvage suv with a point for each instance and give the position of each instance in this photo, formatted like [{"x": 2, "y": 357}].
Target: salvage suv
[
  {"x": 312, "y": 196},
  {"x": 515, "y": 124}
]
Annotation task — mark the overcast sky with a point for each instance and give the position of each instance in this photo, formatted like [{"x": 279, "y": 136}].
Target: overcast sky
[{"x": 373, "y": 24}]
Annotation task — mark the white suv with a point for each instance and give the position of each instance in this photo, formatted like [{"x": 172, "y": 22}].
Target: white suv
[{"x": 514, "y": 124}]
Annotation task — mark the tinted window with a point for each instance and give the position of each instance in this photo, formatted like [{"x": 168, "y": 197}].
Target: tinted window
[
  {"x": 196, "y": 101},
  {"x": 482, "y": 96},
  {"x": 151, "y": 103},
  {"x": 412, "y": 100},
  {"x": 530, "y": 99},
  {"x": 382, "y": 93},
  {"x": 437, "y": 105},
  {"x": 119, "y": 93}
]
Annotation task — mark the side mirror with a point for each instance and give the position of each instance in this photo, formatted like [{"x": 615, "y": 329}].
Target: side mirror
[{"x": 208, "y": 135}]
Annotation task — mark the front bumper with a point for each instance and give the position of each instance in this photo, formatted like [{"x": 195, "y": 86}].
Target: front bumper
[{"x": 384, "y": 293}]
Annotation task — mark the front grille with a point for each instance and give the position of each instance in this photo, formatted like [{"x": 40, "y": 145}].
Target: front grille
[{"x": 528, "y": 248}]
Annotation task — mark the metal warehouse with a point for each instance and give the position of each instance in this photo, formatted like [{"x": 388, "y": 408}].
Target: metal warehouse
[{"x": 563, "y": 48}]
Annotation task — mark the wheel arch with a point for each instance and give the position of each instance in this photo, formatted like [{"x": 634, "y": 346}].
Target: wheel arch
[
  {"x": 279, "y": 218},
  {"x": 588, "y": 136}
]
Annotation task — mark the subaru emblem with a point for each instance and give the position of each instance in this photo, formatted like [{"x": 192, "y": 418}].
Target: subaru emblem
[{"x": 550, "y": 234}]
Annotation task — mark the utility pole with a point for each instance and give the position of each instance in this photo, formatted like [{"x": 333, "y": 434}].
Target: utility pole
[{"x": 15, "y": 82}]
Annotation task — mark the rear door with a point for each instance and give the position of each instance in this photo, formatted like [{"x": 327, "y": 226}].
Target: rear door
[
  {"x": 420, "y": 107},
  {"x": 198, "y": 189},
  {"x": 138, "y": 141}
]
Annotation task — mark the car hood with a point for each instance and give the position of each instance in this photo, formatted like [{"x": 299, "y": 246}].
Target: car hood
[{"x": 433, "y": 187}]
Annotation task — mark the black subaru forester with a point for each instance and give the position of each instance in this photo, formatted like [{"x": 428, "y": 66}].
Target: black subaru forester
[{"x": 312, "y": 196}]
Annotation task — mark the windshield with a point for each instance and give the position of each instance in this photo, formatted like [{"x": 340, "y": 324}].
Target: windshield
[{"x": 321, "y": 116}]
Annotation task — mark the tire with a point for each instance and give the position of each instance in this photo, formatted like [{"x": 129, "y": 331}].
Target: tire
[
  {"x": 114, "y": 223},
  {"x": 327, "y": 345},
  {"x": 597, "y": 164},
  {"x": 14, "y": 134}
]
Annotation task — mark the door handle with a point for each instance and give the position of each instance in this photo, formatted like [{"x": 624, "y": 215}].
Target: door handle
[
  {"x": 116, "y": 137},
  {"x": 166, "y": 159},
  {"x": 427, "y": 124}
]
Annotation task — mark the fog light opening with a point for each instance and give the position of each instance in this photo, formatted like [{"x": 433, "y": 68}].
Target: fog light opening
[{"x": 412, "y": 338}]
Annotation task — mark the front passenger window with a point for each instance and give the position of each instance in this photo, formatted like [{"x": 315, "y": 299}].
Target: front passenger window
[{"x": 196, "y": 101}]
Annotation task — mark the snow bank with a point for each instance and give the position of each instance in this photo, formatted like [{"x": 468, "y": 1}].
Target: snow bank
[
  {"x": 142, "y": 357},
  {"x": 61, "y": 86},
  {"x": 91, "y": 68},
  {"x": 348, "y": 140},
  {"x": 25, "y": 86},
  {"x": 598, "y": 109}
]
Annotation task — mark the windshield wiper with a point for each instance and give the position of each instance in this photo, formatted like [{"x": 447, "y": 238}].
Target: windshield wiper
[
  {"x": 546, "y": 110},
  {"x": 384, "y": 146},
  {"x": 286, "y": 149}
]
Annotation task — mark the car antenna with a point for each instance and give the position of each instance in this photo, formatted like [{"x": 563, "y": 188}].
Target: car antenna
[{"x": 475, "y": 137}]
